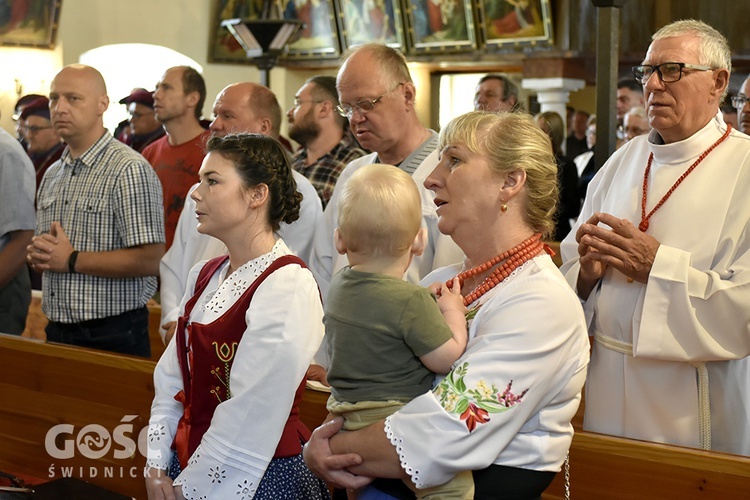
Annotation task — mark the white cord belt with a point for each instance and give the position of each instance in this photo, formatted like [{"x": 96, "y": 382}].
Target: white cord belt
[{"x": 704, "y": 406}]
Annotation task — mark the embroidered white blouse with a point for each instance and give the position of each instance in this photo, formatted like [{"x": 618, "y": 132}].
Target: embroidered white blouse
[
  {"x": 285, "y": 329},
  {"x": 510, "y": 397}
]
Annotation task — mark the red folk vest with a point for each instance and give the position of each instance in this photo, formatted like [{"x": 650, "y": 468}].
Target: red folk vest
[{"x": 211, "y": 348}]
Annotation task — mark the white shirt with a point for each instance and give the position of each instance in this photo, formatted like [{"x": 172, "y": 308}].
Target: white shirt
[
  {"x": 693, "y": 314},
  {"x": 190, "y": 246},
  {"x": 285, "y": 328},
  {"x": 529, "y": 333},
  {"x": 582, "y": 160}
]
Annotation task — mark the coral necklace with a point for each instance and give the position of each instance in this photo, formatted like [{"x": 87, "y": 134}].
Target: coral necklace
[
  {"x": 643, "y": 226},
  {"x": 514, "y": 258}
]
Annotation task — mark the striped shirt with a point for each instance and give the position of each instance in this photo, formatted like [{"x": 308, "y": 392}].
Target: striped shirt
[
  {"x": 415, "y": 159},
  {"x": 108, "y": 199}
]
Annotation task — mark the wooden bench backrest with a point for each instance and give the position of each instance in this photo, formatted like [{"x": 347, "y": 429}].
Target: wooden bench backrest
[
  {"x": 43, "y": 385},
  {"x": 615, "y": 468}
]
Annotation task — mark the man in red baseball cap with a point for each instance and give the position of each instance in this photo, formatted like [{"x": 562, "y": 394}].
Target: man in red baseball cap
[{"x": 142, "y": 128}]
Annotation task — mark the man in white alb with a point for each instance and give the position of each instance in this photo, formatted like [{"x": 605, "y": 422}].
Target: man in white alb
[{"x": 661, "y": 258}]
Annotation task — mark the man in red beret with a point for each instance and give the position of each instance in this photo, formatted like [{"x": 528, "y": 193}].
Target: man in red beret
[
  {"x": 21, "y": 103},
  {"x": 142, "y": 127},
  {"x": 43, "y": 143}
]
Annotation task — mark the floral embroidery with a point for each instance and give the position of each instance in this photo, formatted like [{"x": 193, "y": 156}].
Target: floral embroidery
[
  {"x": 194, "y": 495},
  {"x": 244, "y": 488},
  {"x": 216, "y": 475},
  {"x": 155, "y": 432},
  {"x": 475, "y": 415},
  {"x": 234, "y": 285},
  {"x": 472, "y": 312},
  {"x": 225, "y": 353},
  {"x": 474, "y": 405}
]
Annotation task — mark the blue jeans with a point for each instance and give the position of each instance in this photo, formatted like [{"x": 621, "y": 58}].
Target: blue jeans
[{"x": 126, "y": 333}]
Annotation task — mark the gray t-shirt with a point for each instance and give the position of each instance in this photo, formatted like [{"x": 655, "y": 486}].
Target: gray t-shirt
[{"x": 377, "y": 326}]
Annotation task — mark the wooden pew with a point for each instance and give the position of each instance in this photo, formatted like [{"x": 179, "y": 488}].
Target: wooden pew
[
  {"x": 154, "y": 322},
  {"x": 43, "y": 385},
  {"x": 615, "y": 468}
]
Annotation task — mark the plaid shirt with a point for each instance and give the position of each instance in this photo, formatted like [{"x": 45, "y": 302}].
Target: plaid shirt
[
  {"x": 108, "y": 199},
  {"x": 324, "y": 173}
]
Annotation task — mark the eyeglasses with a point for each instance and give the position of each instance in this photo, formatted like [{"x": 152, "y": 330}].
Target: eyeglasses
[
  {"x": 489, "y": 95},
  {"x": 300, "y": 102},
  {"x": 668, "y": 72},
  {"x": 739, "y": 101},
  {"x": 364, "y": 106},
  {"x": 34, "y": 128},
  {"x": 621, "y": 133},
  {"x": 137, "y": 116},
  {"x": 624, "y": 132}
]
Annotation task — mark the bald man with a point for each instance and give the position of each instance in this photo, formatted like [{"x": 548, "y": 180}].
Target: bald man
[
  {"x": 100, "y": 226},
  {"x": 240, "y": 107}
]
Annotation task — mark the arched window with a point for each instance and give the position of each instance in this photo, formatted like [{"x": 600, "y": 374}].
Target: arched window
[{"x": 126, "y": 66}]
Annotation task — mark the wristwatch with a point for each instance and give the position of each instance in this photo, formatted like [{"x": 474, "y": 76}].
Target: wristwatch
[{"x": 72, "y": 261}]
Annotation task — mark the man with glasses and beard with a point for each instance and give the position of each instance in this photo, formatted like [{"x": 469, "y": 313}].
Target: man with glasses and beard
[{"x": 327, "y": 144}]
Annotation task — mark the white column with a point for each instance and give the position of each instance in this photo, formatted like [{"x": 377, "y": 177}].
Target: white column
[{"x": 553, "y": 93}]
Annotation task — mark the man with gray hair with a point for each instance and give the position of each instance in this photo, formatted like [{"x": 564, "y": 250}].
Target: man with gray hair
[
  {"x": 327, "y": 144},
  {"x": 496, "y": 93},
  {"x": 635, "y": 123},
  {"x": 661, "y": 258}
]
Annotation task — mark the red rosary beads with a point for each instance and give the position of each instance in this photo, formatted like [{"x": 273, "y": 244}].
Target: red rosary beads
[
  {"x": 514, "y": 258},
  {"x": 643, "y": 226}
]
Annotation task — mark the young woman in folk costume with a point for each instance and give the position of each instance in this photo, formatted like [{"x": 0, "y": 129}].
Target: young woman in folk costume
[{"x": 225, "y": 419}]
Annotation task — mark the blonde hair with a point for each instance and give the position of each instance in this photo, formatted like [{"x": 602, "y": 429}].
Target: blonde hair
[
  {"x": 512, "y": 141},
  {"x": 380, "y": 211}
]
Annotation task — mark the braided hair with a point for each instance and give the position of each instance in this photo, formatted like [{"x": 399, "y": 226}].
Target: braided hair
[{"x": 259, "y": 159}]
